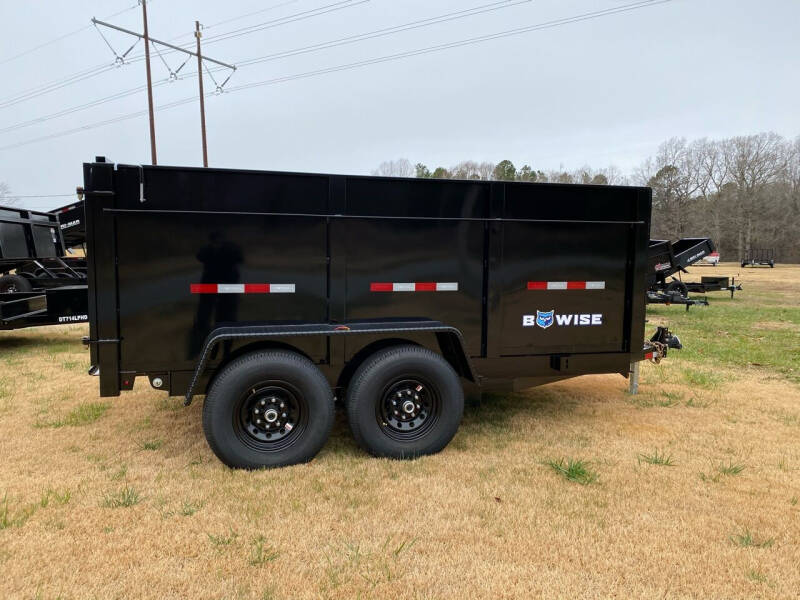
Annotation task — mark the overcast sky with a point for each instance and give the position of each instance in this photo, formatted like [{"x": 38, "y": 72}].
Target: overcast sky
[{"x": 599, "y": 92}]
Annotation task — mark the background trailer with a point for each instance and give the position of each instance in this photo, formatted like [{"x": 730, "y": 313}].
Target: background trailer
[
  {"x": 266, "y": 291},
  {"x": 38, "y": 285}
]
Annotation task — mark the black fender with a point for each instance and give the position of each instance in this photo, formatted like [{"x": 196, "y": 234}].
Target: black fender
[{"x": 450, "y": 340}]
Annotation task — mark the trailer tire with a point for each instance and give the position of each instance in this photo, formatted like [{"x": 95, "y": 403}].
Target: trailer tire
[
  {"x": 678, "y": 286},
  {"x": 14, "y": 283},
  {"x": 268, "y": 409},
  {"x": 404, "y": 402}
]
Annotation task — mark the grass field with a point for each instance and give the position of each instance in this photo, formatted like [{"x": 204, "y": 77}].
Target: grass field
[{"x": 571, "y": 490}]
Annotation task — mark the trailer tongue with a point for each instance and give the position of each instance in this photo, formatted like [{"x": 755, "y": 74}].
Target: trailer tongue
[{"x": 272, "y": 293}]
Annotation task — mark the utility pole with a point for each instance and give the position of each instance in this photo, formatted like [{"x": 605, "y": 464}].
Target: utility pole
[
  {"x": 149, "y": 85},
  {"x": 197, "y": 34},
  {"x": 173, "y": 74}
]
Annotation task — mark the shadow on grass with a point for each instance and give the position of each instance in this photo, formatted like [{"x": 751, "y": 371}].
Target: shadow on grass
[
  {"x": 491, "y": 412},
  {"x": 15, "y": 343}
]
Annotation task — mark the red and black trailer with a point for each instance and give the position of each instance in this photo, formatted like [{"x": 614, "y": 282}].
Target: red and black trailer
[{"x": 273, "y": 293}]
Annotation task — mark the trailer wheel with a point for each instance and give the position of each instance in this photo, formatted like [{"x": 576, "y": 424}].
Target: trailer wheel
[
  {"x": 404, "y": 402},
  {"x": 678, "y": 286},
  {"x": 14, "y": 283},
  {"x": 268, "y": 409}
]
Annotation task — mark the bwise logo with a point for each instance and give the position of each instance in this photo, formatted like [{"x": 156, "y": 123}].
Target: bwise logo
[{"x": 545, "y": 319}]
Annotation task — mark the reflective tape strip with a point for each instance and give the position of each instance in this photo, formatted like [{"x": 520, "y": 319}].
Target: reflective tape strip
[
  {"x": 281, "y": 288},
  {"x": 648, "y": 356},
  {"x": 230, "y": 288},
  {"x": 414, "y": 286},
  {"x": 404, "y": 287},
  {"x": 566, "y": 285},
  {"x": 242, "y": 288}
]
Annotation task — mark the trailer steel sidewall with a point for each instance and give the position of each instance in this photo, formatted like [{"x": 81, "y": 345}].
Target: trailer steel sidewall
[
  {"x": 268, "y": 409},
  {"x": 404, "y": 402}
]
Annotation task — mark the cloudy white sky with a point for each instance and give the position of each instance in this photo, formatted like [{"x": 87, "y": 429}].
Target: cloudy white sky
[{"x": 599, "y": 92}]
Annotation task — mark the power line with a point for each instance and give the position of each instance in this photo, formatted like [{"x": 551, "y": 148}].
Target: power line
[
  {"x": 279, "y": 22},
  {"x": 452, "y": 16},
  {"x": 15, "y": 196},
  {"x": 105, "y": 67},
  {"x": 461, "y": 14},
  {"x": 455, "y": 44},
  {"x": 367, "y": 62},
  {"x": 56, "y": 85},
  {"x": 61, "y": 37},
  {"x": 301, "y": 16},
  {"x": 251, "y": 14}
]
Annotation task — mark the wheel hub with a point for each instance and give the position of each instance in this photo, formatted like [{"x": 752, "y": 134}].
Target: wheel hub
[
  {"x": 406, "y": 406},
  {"x": 269, "y": 414}
]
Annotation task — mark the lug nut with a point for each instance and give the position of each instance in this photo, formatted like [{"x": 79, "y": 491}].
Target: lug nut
[{"x": 263, "y": 402}]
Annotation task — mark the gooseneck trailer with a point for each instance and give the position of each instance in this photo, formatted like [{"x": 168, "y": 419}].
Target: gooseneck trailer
[{"x": 274, "y": 293}]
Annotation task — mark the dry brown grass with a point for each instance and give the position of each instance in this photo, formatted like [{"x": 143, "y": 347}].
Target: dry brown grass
[{"x": 128, "y": 501}]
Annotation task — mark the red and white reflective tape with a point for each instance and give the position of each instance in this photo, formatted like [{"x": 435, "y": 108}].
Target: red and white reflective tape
[
  {"x": 566, "y": 285},
  {"x": 419, "y": 286},
  {"x": 648, "y": 356},
  {"x": 242, "y": 288}
]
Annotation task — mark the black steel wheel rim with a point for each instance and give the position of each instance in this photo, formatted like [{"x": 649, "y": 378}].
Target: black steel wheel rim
[
  {"x": 9, "y": 288},
  {"x": 408, "y": 408},
  {"x": 270, "y": 416}
]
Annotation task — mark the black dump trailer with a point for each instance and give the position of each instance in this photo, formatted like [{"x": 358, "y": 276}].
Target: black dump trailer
[
  {"x": 37, "y": 285},
  {"x": 72, "y": 222},
  {"x": 32, "y": 246},
  {"x": 274, "y": 293},
  {"x": 667, "y": 259}
]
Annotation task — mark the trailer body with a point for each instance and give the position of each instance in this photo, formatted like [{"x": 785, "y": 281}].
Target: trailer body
[
  {"x": 667, "y": 258},
  {"x": 55, "y": 306},
  {"x": 72, "y": 222},
  {"x": 33, "y": 248},
  {"x": 759, "y": 257},
  {"x": 514, "y": 284}
]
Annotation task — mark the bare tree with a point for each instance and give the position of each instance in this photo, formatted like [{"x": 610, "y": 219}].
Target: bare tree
[
  {"x": 401, "y": 167},
  {"x": 485, "y": 170},
  {"x": 5, "y": 195},
  {"x": 753, "y": 161},
  {"x": 467, "y": 169}
]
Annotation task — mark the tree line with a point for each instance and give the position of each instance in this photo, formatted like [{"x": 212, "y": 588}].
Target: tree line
[{"x": 743, "y": 191}]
